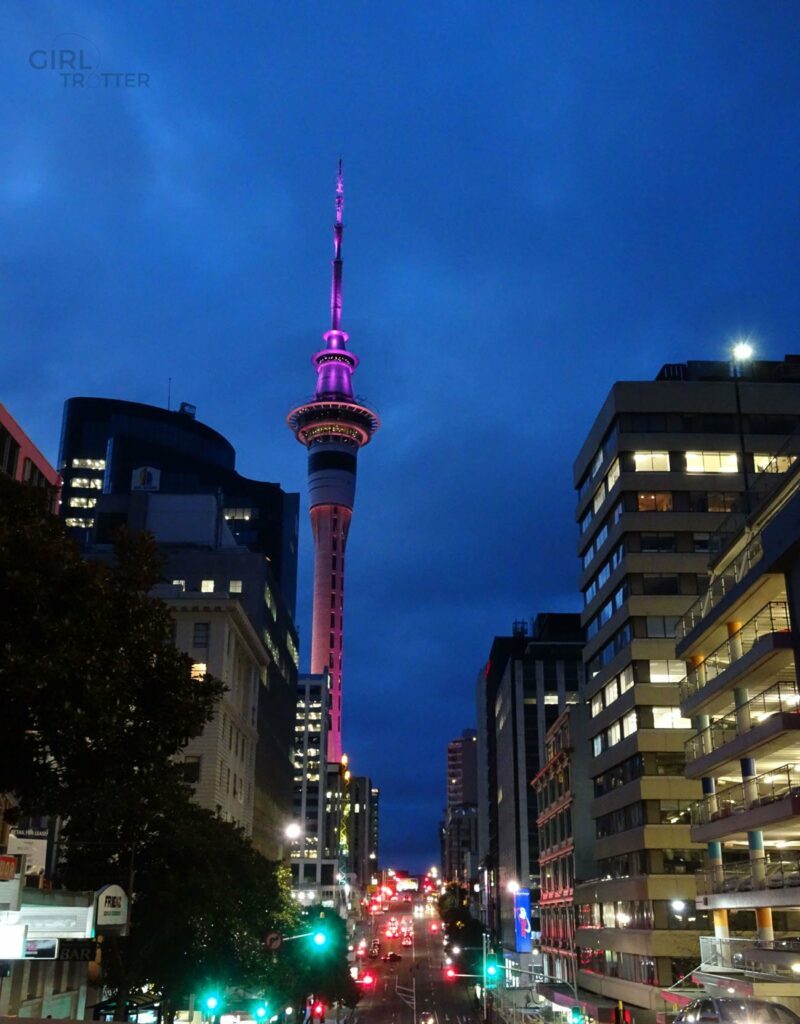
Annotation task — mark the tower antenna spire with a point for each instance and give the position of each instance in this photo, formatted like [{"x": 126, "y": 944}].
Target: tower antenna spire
[{"x": 338, "y": 230}]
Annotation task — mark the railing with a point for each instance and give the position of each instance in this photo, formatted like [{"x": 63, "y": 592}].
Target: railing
[
  {"x": 756, "y": 792},
  {"x": 748, "y": 956},
  {"x": 740, "y": 877},
  {"x": 772, "y": 618},
  {"x": 783, "y": 696},
  {"x": 719, "y": 586}
]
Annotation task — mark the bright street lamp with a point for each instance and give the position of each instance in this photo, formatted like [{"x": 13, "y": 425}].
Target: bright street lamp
[
  {"x": 293, "y": 831},
  {"x": 512, "y": 887},
  {"x": 742, "y": 351}
]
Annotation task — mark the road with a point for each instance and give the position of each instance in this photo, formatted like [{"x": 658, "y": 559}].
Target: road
[{"x": 421, "y": 967}]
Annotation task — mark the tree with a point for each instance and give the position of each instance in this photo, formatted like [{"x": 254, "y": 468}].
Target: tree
[
  {"x": 323, "y": 971},
  {"x": 96, "y": 699}
]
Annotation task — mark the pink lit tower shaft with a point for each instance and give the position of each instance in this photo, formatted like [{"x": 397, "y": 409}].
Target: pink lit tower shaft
[{"x": 333, "y": 425}]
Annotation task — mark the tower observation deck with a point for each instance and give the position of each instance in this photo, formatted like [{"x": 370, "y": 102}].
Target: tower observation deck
[{"x": 333, "y": 425}]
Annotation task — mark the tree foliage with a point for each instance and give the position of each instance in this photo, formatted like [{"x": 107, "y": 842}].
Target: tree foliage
[{"x": 97, "y": 702}]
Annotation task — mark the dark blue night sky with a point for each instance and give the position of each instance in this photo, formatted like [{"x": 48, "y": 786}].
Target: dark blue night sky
[{"x": 540, "y": 198}]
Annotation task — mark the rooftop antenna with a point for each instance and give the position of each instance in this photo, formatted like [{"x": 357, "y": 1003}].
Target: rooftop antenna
[
  {"x": 169, "y": 393},
  {"x": 338, "y": 230}
]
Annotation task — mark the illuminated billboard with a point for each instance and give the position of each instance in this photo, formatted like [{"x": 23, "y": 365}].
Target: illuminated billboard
[{"x": 522, "y": 920}]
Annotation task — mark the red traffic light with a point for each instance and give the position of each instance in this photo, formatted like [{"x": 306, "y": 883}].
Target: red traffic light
[
  {"x": 319, "y": 1011},
  {"x": 434, "y": 926},
  {"x": 450, "y": 972},
  {"x": 367, "y": 980}
]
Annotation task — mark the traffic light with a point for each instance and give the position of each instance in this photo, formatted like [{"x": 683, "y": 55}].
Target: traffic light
[
  {"x": 210, "y": 1003},
  {"x": 261, "y": 1011},
  {"x": 450, "y": 973},
  {"x": 491, "y": 972},
  {"x": 318, "y": 1011},
  {"x": 575, "y": 1015},
  {"x": 319, "y": 937}
]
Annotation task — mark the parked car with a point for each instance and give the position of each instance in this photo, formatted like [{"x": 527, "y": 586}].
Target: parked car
[{"x": 734, "y": 1010}]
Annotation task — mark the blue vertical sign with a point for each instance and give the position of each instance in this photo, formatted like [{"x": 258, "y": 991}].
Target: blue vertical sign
[{"x": 522, "y": 920}]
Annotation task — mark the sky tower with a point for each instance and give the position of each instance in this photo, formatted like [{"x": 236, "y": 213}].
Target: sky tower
[{"x": 333, "y": 425}]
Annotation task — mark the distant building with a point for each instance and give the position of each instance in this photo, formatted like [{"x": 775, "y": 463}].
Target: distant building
[
  {"x": 362, "y": 862},
  {"x": 527, "y": 683},
  {"x": 21, "y": 459},
  {"x": 462, "y": 769}
]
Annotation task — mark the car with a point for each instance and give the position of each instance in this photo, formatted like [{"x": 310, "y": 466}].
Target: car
[
  {"x": 732, "y": 1010},
  {"x": 391, "y": 957},
  {"x": 426, "y": 1018},
  {"x": 408, "y": 941}
]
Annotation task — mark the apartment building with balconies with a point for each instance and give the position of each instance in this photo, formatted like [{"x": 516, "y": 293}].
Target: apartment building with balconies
[
  {"x": 663, "y": 464},
  {"x": 741, "y": 693}
]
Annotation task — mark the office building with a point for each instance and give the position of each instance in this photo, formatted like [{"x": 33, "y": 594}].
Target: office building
[
  {"x": 115, "y": 447},
  {"x": 21, "y": 459},
  {"x": 315, "y": 854},
  {"x": 333, "y": 426},
  {"x": 363, "y": 823},
  {"x": 462, "y": 769},
  {"x": 740, "y": 691},
  {"x": 663, "y": 464},
  {"x": 526, "y": 684}
]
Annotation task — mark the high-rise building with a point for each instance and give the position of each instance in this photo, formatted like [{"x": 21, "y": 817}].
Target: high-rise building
[
  {"x": 333, "y": 426},
  {"x": 363, "y": 821},
  {"x": 740, "y": 641},
  {"x": 663, "y": 465},
  {"x": 314, "y": 865},
  {"x": 114, "y": 447},
  {"x": 462, "y": 769},
  {"x": 220, "y": 533},
  {"x": 21, "y": 459},
  {"x": 527, "y": 682}
]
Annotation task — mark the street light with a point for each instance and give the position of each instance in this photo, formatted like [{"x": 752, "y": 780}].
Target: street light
[
  {"x": 293, "y": 831},
  {"x": 741, "y": 352},
  {"x": 512, "y": 887}
]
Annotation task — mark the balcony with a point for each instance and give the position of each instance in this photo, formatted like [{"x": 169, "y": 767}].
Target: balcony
[
  {"x": 771, "y": 619},
  {"x": 770, "y": 960},
  {"x": 720, "y": 586},
  {"x": 778, "y": 789},
  {"x": 770, "y": 875},
  {"x": 766, "y": 721}
]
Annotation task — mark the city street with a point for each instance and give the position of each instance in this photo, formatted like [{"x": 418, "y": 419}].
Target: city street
[{"x": 421, "y": 967}]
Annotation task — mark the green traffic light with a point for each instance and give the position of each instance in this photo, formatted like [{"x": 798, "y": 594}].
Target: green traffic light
[
  {"x": 261, "y": 1012},
  {"x": 575, "y": 1015},
  {"x": 320, "y": 938},
  {"x": 211, "y": 1002}
]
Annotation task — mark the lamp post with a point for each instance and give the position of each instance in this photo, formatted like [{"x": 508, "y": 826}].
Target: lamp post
[{"x": 741, "y": 353}]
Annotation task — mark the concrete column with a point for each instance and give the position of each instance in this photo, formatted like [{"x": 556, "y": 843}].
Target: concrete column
[
  {"x": 715, "y": 866},
  {"x": 735, "y": 639},
  {"x": 764, "y": 924},
  {"x": 741, "y": 698},
  {"x": 701, "y": 724},
  {"x": 710, "y": 793},
  {"x": 699, "y": 670},
  {"x": 748, "y": 767},
  {"x": 755, "y": 846},
  {"x": 721, "y": 931}
]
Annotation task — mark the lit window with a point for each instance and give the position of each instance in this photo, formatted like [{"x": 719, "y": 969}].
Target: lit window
[
  {"x": 551, "y": 698},
  {"x": 651, "y": 462},
  {"x": 712, "y": 462},
  {"x": 87, "y": 483},
  {"x": 206, "y": 586},
  {"x": 613, "y": 475},
  {"x": 629, "y": 723},
  {"x": 773, "y": 463},
  {"x": 597, "y": 704},
  {"x": 654, "y": 501},
  {"x": 199, "y": 670},
  {"x": 671, "y": 671},
  {"x": 626, "y": 679},
  {"x": 82, "y": 524},
  {"x": 670, "y": 718},
  {"x": 88, "y": 463},
  {"x": 82, "y": 502},
  {"x": 235, "y": 587},
  {"x": 614, "y": 733}
]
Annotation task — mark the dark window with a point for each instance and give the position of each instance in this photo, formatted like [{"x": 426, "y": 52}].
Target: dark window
[
  {"x": 658, "y": 542},
  {"x": 659, "y": 583},
  {"x": 722, "y": 501},
  {"x": 201, "y": 634}
]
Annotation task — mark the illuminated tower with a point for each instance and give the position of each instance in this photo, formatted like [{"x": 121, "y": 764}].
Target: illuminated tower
[{"x": 333, "y": 425}]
